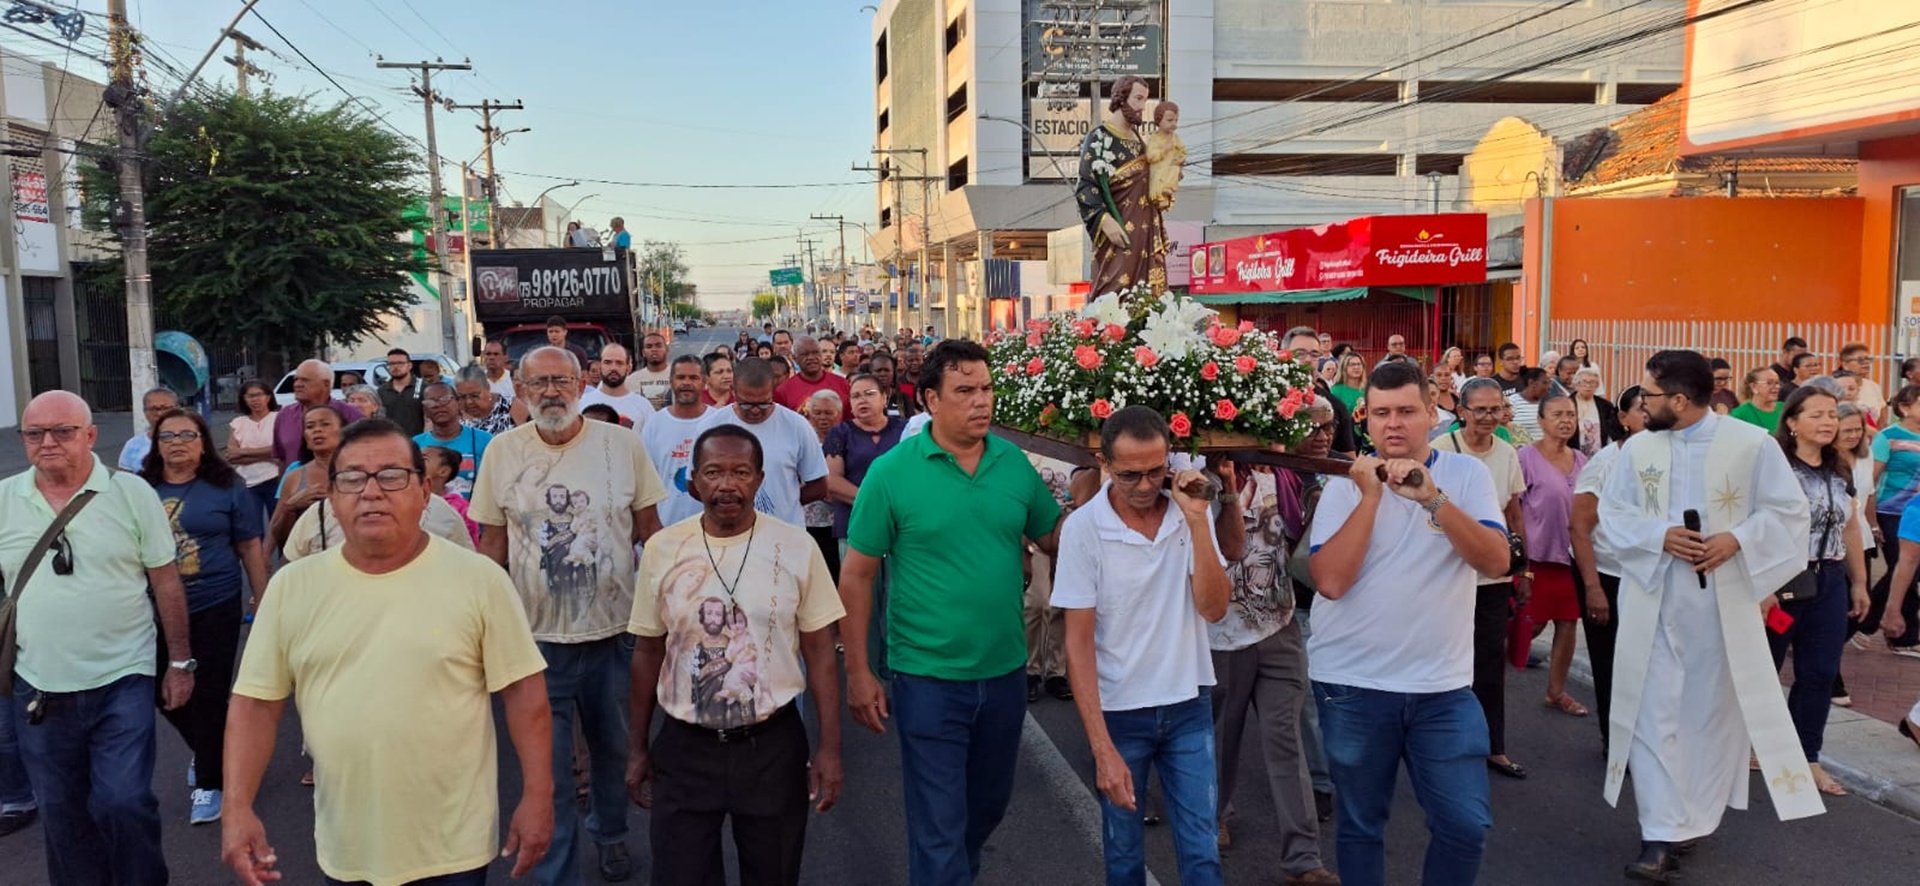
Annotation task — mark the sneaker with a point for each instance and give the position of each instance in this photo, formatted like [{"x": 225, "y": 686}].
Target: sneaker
[
  {"x": 615, "y": 865},
  {"x": 206, "y": 807},
  {"x": 16, "y": 820}
]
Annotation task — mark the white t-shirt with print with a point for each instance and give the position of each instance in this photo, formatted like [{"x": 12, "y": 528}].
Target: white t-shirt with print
[
  {"x": 568, "y": 511},
  {"x": 1406, "y": 624},
  {"x": 630, "y": 405},
  {"x": 1150, "y": 643},
  {"x": 669, "y": 441},
  {"x": 733, "y": 657},
  {"x": 655, "y": 385},
  {"x": 793, "y": 457}
]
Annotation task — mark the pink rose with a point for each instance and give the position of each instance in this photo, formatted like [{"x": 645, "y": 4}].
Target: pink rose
[
  {"x": 1246, "y": 326},
  {"x": 1181, "y": 425},
  {"x": 1088, "y": 357},
  {"x": 1225, "y": 410},
  {"x": 1101, "y": 409},
  {"x": 1244, "y": 364},
  {"x": 1224, "y": 336},
  {"x": 1115, "y": 332},
  {"x": 1011, "y": 368},
  {"x": 1035, "y": 367},
  {"x": 1210, "y": 370},
  {"x": 1033, "y": 339},
  {"x": 1288, "y": 407},
  {"x": 1084, "y": 328},
  {"x": 1146, "y": 356}
]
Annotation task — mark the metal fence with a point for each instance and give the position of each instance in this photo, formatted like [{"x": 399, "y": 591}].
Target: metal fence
[{"x": 1620, "y": 348}]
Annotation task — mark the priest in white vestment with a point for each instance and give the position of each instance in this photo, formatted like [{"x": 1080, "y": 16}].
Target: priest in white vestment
[{"x": 1694, "y": 684}]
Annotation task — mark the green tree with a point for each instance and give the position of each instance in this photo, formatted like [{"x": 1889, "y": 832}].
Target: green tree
[
  {"x": 764, "y": 305},
  {"x": 663, "y": 269},
  {"x": 273, "y": 223}
]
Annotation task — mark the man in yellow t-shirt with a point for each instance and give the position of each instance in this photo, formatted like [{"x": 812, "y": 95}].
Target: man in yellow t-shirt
[
  {"x": 392, "y": 645},
  {"x": 728, "y": 605}
]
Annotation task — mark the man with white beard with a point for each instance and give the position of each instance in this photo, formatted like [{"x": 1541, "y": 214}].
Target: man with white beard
[{"x": 1706, "y": 522}]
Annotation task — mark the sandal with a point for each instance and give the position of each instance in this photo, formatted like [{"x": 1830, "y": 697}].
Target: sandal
[
  {"x": 1567, "y": 705},
  {"x": 1825, "y": 783},
  {"x": 1509, "y": 769}
]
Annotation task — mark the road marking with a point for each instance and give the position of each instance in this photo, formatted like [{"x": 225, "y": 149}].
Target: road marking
[{"x": 1075, "y": 797}]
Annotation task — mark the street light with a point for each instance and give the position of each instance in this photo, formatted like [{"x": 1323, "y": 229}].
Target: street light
[
  {"x": 1050, "y": 157},
  {"x": 543, "y": 196}
]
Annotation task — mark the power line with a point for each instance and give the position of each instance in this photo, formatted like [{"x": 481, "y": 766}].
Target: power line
[{"x": 716, "y": 186}]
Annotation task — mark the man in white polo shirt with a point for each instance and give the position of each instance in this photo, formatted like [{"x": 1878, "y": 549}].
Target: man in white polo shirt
[
  {"x": 1391, "y": 657},
  {"x": 1140, "y": 579}
]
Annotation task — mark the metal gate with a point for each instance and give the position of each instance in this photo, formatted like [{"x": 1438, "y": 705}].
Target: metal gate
[
  {"x": 100, "y": 313},
  {"x": 43, "y": 334},
  {"x": 1621, "y": 347}
]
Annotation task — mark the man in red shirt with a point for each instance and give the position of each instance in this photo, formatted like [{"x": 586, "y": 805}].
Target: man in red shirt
[{"x": 813, "y": 376}]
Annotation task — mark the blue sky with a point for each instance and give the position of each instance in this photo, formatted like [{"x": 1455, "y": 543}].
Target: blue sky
[{"x": 720, "y": 91}]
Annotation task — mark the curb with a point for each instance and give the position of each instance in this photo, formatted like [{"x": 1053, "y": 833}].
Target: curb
[{"x": 1856, "y": 773}]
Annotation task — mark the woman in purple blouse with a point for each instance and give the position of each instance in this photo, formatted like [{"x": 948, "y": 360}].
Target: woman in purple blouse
[{"x": 1550, "y": 465}]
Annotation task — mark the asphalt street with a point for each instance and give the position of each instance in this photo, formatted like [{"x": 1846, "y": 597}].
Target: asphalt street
[{"x": 1553, "y": 828}]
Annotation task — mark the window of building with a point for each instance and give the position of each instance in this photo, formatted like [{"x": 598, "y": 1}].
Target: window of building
[
  {"x": 1253, "y": 90},
  {"x": 881, "y": 123},
  {"x": 880, "y": 60},
  {"x": 886, "y": 216},
  {"x": 957, "y": 103},
  {"x": 1906, "y": 275},
  {"x": 1306, "y": 164},
  {"x": 956, "y": 31},
  {"x": 1445, "y": 164},
  {"x": 1509, "y": 92},
  {"x": 957, "y": 175},
  {"x": 1643, "y": 93}
]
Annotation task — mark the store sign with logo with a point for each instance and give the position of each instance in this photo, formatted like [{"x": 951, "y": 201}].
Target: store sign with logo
[{"x": 1382, "y": 250}]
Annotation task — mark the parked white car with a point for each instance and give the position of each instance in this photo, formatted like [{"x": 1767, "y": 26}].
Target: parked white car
[{"x": 370, "y": 372}]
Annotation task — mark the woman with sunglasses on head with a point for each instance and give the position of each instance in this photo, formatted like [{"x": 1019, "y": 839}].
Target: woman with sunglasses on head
[
  {"x": 217, "y": 525},
  {"x": 250, "y": 443},
  {"x": 306, "y": 481}
]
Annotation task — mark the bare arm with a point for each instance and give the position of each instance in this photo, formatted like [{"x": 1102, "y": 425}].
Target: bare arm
[
  {"x": 1211, "y": 587},
  {"x": 839, "y": 488},
  {"x": 1111, "y": 774},
  {"x": 646, "y": 522},
  {"x": 1230, "y": 524},
  {"x": 252, "y": 725},
  {"x": 813, "y": 490},
  {"x": 1586, "y": 517},
  {"x": 171, "y": 598},
  {"x": 866, "y": 699},
  {"x": 823, "y": 681},
  {"x": 530, "y": 726},
  {"x": 1050, "y": 543},
  {"x": 493, "y": 543},
  {"x": 253, "y": 558},
  {"x": 649, "y": 656},
  {"x": 1483, "y": 547}
]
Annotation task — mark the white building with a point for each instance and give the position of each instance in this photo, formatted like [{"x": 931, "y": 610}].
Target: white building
[{"x": 1294, "y": 112}]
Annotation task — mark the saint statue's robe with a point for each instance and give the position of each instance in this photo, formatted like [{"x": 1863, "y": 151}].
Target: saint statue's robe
[
  {"x": 1120, "y": 158},
  {"x": 1694, "y": 684}
]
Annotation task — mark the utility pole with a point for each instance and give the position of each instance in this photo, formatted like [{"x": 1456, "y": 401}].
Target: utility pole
[
  {"x": 885, "y": 169},
  {"x": 814, "y": 298},
  {"x": 130, "y": 105},
  {"x": 437, "y": 211},
  {"x": 242, "y": 67},
  {"x": 846, "y": 282},
  {"x": 491, "y": 188}
]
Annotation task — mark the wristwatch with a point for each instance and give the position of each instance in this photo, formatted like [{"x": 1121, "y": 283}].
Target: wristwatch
[
  {"x": 190, "y": 665},
  {"x": 1438, "y": 501}
]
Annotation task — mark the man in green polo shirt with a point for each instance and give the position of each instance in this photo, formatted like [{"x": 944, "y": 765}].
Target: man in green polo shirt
[{"x": 952, "y": 508}]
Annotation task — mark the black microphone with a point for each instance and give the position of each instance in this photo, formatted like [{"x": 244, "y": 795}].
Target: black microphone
[{"x": 1691, "y": 518}]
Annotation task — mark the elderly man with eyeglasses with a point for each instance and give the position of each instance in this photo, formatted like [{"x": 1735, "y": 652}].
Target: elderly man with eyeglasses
[
  {"x": 560, "y": 502},
  {"x": 80, "y": 693}
]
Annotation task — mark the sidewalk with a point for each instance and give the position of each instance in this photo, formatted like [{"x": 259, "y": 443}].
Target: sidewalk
[
  {"x": 115, "y": 428},
  {"x": 1862, "y": 749}
]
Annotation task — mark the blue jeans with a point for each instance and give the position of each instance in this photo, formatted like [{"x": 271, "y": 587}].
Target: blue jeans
[
  {"x": 91, "y": 764},
  {"x": 1442, "y": 736},
  {"x": 1178, "y": 740},
  {"x": 587, "y": 680},
  {"x": 16, "y": 793},
  {"x": 1818, "y": 637},
  {"x": 959, "y": 742}
]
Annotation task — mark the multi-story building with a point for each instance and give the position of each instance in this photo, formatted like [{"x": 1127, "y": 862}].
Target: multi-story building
[{"x": 1294, "y": 113}]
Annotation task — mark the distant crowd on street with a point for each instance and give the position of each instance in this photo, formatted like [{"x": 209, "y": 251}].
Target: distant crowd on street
[{"x": 663, "y": 567}]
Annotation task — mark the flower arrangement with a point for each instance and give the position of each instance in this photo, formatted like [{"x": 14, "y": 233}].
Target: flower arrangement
[{"x": 1065, "y": 374}]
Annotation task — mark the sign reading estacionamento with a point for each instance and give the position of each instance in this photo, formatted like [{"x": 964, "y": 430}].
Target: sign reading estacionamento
[{"x": 1380, "y": 250}]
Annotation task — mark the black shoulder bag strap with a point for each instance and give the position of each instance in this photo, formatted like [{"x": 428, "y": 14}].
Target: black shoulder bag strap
[{"x": 9, "y": 608}]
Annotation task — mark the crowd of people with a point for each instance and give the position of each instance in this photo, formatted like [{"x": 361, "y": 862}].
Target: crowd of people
[{"x": 705, "y": 541}]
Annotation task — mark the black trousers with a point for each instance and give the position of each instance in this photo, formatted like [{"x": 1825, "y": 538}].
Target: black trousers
[
  {"x": 202, "y": 721},
  {"x": 829, "y": 548},
  {"x": 1491, "y": 610},
  {"x": 1600, "y": 641},
  {"x": 1878, "y": 594},
  {"x": 700, "y": 781}
]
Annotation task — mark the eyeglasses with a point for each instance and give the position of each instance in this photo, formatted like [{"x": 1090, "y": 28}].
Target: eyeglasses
[
  {"x": 61, "y": 434},
  {"x": 62, "y": 555},
  {"x": 355, "y": 482},
  {"x": 558, "y": 382},
  {"x": 754, "y": 406},
  {"x": 1485, "y": 411},
  {"x": 437, "y": 401},
  {"x": 182, "y": 436},
  {"x": 1321, "y": 428},
  {"x": 1133, "y": 478}
]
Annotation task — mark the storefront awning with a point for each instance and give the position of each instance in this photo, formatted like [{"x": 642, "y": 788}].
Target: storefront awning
[{"x": 1315, "y": 296}]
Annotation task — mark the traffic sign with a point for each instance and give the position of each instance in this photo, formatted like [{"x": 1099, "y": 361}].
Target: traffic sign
[{"x": 787, "y": 277}]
